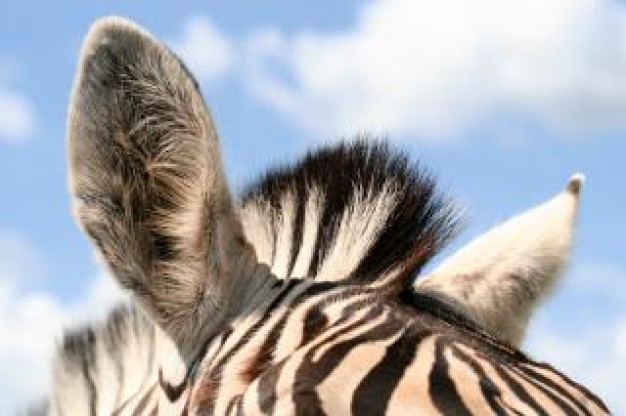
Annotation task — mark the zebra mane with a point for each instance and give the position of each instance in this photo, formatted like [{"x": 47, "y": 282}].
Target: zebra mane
[{"x": 355, "y": 210}]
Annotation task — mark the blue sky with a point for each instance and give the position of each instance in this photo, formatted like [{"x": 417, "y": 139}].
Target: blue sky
[{"x": 503, "y": 99}]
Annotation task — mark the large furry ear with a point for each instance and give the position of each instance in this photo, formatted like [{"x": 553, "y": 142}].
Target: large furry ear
[
  {"x": 147, "y": 181},
  {"x": 499, "y": 278}
]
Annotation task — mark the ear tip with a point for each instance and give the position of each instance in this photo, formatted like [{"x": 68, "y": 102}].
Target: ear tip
[
  {"x": 105, "y": 25},
  {"x": 111, "y": 21},
  {"x": 576, "y": 182},
  {"x": 111, "y": 30},
  {"x": 111, "y": 42}
]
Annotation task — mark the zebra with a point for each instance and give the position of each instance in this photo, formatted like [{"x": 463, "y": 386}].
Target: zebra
[{"x": 301, "y": 295}]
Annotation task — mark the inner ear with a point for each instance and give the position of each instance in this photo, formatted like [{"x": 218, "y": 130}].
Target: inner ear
[{"x": 147, "y": 179}]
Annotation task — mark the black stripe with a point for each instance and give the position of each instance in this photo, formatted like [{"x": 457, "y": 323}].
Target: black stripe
[
  {"x": 300, "y": 197},
  {"x": 215, "y": 377},
  {"x": 267, "y": 383},
  {"x": 441, "y": 388},
  {"x": 518, "y": 389},
  {"x": 311, "y": 373},
  {"x": 266, "y": 389},
  {"x": 172, "y": 392},
  {"x": 280, "y": 226},
  {"x": 201, "y": 356},
  {"x": 315, "y": 322},
  {"x": 429, "y": 304},
  {"x": 374, "y": 392},
  {"x": 582, "y": 389},
  {"x": 556, "y": 386},
  {"x": 270, "y": 310},
  {"x": 488, "y": 387},
  {"x": 558, "y": 401},
  {"x": 264, "y": 356}
]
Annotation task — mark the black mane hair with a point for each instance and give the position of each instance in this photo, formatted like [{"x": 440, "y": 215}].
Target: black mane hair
[{"x": 419, "y": 223}]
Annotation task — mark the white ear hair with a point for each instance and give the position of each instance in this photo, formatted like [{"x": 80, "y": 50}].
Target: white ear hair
[{"x": 499, "y": 278}]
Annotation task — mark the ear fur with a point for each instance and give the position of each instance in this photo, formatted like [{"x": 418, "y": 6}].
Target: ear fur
[
  {"x": 147, "y": 182},
  {"x": 499, "y": 278}
]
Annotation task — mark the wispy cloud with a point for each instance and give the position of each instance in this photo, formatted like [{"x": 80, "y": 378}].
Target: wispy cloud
[
  {"x": 437, "y": 69},
  {"x": 17, "y": 116},
  {"x": 20, "y": 262},
  {"x": 32, "y": 321},
  {"x": 205, "y": 49}
]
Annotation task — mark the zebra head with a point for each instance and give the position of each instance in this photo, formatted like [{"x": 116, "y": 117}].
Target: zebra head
[
  {"x": 339, "y": 236},
  {"x": 149, "y": 189}
]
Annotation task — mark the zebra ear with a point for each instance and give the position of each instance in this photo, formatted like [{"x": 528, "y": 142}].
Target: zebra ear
[
  {"x": 147, "y": 182},
  {"x": 499, "y": 278}
]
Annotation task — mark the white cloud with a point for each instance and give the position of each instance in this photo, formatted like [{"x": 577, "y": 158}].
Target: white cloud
[
  {"x": 20, "y": 262},
  {"x": 208, "y": 53},
  {"x": 593, "y": 353},
  {"x": 17, "y": 116},
  {"x": 434, "y": 69},
  {"x": 32, "y": 321}
]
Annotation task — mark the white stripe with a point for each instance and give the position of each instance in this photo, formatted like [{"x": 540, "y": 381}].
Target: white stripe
[
  {"x": 284, "y": 236},
  {"x": 312, "y": 218},
  {"x": 255, "y": 219},
  {"x": 359, "y": 228}
]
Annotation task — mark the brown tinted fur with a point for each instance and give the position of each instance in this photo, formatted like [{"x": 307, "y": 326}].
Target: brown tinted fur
[
  {"x": 150, "y": 192},
  {"x": 148, "y": 183}
]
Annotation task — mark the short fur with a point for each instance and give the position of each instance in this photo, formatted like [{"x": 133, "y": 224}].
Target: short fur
[
  {"x": 499, "y": 278},
  {"x": 297, "y": 300},
  {"x": 147, "y": 180}
]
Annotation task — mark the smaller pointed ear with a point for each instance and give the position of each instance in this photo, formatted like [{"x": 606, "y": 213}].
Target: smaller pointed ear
[{"x": 500, "y": 277}]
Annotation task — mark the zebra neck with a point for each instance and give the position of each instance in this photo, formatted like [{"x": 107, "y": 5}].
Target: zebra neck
[
  {"x": 252, "y": 284},
  {"x": 261, "y": 285}
]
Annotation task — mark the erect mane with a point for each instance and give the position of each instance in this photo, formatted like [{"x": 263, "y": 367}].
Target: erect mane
[{"x": 353, "y": 210}]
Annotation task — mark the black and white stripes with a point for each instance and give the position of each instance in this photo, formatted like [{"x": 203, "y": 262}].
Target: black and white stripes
[
  {"x": 356, "y": 352},
  {"x": 302, "y": 296},
  {"x": 354, "y": 210},
  {"x": 340, "y": 348}
]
